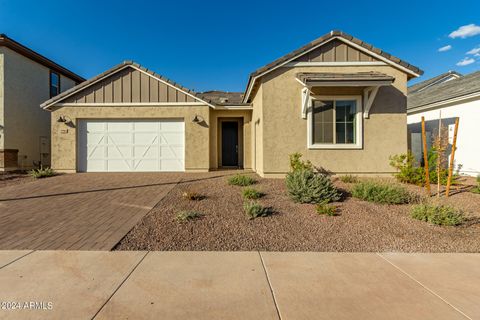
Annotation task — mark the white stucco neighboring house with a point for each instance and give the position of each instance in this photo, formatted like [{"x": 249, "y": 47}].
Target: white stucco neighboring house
[
  {"x": 26, "y": 80},
  {"x": 448, "y": 96}
]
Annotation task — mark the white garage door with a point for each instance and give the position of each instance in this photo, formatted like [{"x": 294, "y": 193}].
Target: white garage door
[{"x": 131, "y": 145}]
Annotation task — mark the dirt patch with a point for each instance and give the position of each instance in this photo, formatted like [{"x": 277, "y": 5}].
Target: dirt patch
[{"x": 360, "y": 226}]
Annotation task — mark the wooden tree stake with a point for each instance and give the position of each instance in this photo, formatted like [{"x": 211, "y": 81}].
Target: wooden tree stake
[
  {"x": 425, "y": 158},
  {"x": 452, "y": 157},
  {"x": 439, "y": 151}
]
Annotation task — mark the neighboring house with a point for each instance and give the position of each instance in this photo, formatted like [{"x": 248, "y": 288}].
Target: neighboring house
[
  {"x": 460, "y": 98},
  {"x": 338, "y": 101},
  {"x": 26, "y": 80},
  {"x": 444, "y": 77}
]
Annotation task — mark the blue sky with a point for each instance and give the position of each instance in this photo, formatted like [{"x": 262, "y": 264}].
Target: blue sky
[{"x": 206, "y": 45}]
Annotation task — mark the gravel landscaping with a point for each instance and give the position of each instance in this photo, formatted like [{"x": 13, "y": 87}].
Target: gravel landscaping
[{"x": 360, "y": 226}]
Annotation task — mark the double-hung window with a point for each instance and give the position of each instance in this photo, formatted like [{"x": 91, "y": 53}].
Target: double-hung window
[
  {"x": 335, "y": 122},
  {"x": 54, "y": 84}
]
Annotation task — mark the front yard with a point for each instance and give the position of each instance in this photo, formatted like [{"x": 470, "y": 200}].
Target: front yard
[{"x": 359, "y": 226}]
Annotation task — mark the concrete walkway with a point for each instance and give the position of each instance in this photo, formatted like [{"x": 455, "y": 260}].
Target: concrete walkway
[{"x": 238, "y": 285}]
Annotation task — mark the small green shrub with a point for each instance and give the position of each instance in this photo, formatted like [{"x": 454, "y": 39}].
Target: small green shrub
[
  {"x": 381, "y": 193},
  {"x": 410, "y": 172},
  {"x": 327, "y": 209},
  {"x": 184, "y": 216},
  {"x": 192, "y": 195},
  {"x": 251, "y": 193},
  {"x": 307, "y": 186},
  {"x": 348, "y": 178},
  {"x": 41, "y": 173},
  {"x": 241, "y": 180},
  {"x": 437, "y": 214},
  {"x": 297, "y": 164},
  {"x": 253, "y": 209}
]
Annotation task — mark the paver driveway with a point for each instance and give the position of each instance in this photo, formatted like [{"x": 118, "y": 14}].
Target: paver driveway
[{"x": 88, "y": 211}]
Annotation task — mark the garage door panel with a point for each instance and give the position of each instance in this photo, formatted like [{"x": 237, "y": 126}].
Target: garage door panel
[
  {"x": 172, "y": 138},
  {"x": 171, "y": 165},
  {"x": 150, "y": 152},
  {"x": 174, "y": 126},
  {"x": 147, "y": 165},
  {"x": 119, "y": 126},
  {"x": 96, "y": 152},
  {"x": 170, "y": 152},
  {"x": 95, "y": 166},
  {"x": 96, "y": 139},
  {"x": 131, "y": 145},
  {"x": 119, "y": 152},
  {"x": 146, "y": 138},
  {"x": 146, "y": 126},
  {"x": 119, "y": 165},
  {"x": 95, "y": 126},
  {"x": 119, "y": 138}
]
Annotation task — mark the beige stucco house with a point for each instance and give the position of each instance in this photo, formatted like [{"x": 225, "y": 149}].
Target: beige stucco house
[
  {"x": 26, "y": 80},
  {"x": 338, "y": 101}
]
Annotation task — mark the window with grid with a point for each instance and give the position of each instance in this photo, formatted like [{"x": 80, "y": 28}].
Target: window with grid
[{"x": 334, "y": 121}]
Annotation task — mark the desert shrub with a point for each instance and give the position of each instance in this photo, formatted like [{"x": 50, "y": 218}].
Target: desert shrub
[
  {"x": 348, "y": 178},
  {"x": 297, "y": 164},
  {"x": 41, "y": 173},
  {"x": 192, "y": 195},
  {"x": 253, "y": 209},
  {"x": 241, "y": 180},
  {"x": 477, "y": 188},
  {"x": 437, "y": 214},
  {"x": 410, "y": 172},
  {"x": 380, "y": 193},
  {"x": 307, "y": 186},
  {"x": 251, "y": 193},
  {"x": 184, "y": 216},
  {"x": 327, "y": 209}
]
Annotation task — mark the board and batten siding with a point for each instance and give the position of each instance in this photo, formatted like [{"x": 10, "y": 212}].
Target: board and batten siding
[
  {"x": 130, "y": 86},
  {"x": 335, "y": 51}
]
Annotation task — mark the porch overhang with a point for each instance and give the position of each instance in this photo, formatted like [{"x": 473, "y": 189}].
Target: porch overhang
[{"x": 370, "y": 81}]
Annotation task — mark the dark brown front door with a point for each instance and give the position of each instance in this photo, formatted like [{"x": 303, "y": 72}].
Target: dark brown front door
[{"x": 230, "y": 144}]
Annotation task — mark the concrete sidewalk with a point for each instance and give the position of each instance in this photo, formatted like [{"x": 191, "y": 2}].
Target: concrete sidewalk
[{"x": 238, "y": 285}]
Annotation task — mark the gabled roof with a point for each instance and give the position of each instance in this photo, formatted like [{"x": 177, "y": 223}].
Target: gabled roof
[
  {"x": 412, "y": 70},
  {"x": 29, "y": 53},
  {"x": 433, "y": 81},
  {"x": 461, "y": 88},
  {"x": 57, "y": 99}
]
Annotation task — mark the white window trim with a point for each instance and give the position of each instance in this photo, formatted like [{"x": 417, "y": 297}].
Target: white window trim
[{"x": 359, "y": 126}]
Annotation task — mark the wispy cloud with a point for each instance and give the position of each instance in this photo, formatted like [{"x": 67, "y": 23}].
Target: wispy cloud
[
  {"x": 475, "y": 52},
  {"x": 466, "y": 31},
  {"x": 465, "y": 62},
  {"x": 446, "y": 48}
]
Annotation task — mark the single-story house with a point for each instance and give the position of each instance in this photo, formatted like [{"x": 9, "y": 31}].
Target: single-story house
[
  {"x": 27, "y": 79},
  {"x": 337, "y": 100},
  {"x": 457, "y": 97}
]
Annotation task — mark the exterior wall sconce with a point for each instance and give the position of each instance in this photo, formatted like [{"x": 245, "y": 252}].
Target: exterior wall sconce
[
  {"x": 61, "y": 119},
  {"x": 68, "y": 122},
  {"x": 197, "y": 119}
]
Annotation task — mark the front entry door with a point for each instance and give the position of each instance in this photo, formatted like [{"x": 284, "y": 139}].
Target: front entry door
[{"x": 230, "y": 144}]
